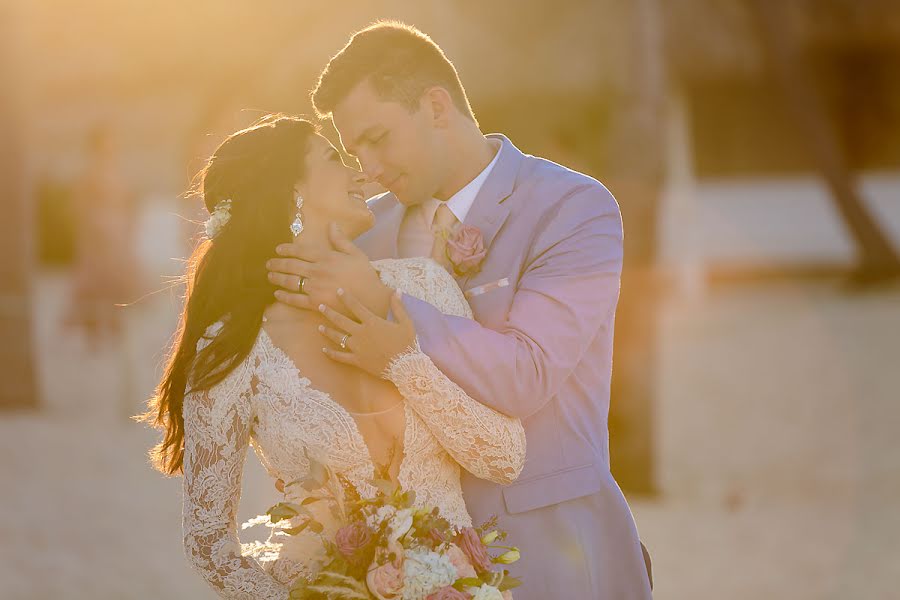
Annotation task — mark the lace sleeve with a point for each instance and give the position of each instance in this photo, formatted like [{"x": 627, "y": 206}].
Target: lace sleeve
[
  {"x": 486, "y": 443},
  {"x": 216, "y": 438}
]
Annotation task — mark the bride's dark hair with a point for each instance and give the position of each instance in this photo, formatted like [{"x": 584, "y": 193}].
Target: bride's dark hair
[{"x": 226, "y": 277}]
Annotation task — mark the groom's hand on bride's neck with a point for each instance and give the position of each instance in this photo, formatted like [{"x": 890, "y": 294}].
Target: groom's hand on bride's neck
[{"x": 324, "y": 270}]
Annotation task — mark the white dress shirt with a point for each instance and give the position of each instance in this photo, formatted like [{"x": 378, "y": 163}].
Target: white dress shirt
[{"x": 415, "y": 237}]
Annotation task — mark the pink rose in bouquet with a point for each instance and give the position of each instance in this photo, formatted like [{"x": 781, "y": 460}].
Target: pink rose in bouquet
[
  {"x": 448, "y": 593},
  {"x": 475, "y": 550},
  {"x": 350, "y": 538},
  {"x": 386, "y": 581},
  {"x": 460, "y": 561},
  {"x": 466, "y": 251}
]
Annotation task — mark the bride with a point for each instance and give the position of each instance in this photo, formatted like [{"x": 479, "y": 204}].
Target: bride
[{"x": 247, "y": 370}]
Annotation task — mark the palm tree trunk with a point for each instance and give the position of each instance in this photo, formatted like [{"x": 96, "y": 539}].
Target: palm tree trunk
[
  {"x": 877, "y": 258},
  {"x": 17, "y": 385}
]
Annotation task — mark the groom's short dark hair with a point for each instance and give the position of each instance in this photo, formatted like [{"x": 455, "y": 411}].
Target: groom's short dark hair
[{"x": 398, "y": 60}]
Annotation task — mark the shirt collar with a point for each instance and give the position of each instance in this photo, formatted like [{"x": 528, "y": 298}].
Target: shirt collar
[{"x": 460, "y": 202}]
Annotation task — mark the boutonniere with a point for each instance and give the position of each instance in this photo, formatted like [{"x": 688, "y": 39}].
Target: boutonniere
[{"x": 465, "y": 250}]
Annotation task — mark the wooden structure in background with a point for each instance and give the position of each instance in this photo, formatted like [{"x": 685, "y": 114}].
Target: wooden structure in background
[{"x": 17, "y": 380}]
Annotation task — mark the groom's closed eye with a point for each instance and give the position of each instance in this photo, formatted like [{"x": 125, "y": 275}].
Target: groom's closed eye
[{"x": 368, "y": 138}]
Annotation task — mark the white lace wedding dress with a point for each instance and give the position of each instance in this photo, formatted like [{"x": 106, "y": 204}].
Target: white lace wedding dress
[{"x": 267, "y": 402}]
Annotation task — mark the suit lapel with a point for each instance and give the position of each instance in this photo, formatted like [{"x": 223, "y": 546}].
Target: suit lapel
[{"x": 488, "y": 212}]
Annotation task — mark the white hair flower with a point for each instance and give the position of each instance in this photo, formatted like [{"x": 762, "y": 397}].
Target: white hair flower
[{"x": 219, "y": 217}]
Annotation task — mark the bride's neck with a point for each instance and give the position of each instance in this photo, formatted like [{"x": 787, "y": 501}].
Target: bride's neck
[
  {"x": 315, "y": 235},
  {"x": 279, "y": 312}
]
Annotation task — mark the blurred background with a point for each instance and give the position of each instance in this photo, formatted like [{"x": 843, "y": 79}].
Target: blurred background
[{"x": 754, "y": 147}]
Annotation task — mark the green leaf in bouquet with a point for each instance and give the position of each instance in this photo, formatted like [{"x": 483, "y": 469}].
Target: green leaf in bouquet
[
  {"x": 385, "y": 486},
  {"x": 508, "y": 557},
  {"x": 310, "y": 484},
  {"x": 299, "y": 592},
  {"x": 318, "y": 473},
  {"x": 467, "y": 582},
  {"x": 509, "y": 583},
  {"x": 493, "y": 578},
  {"x": 284, "y": 510},
  {"x": 315, "y": 526},
  {"x": 351, "y": 494},
  {"x": 296, "y": 530}
]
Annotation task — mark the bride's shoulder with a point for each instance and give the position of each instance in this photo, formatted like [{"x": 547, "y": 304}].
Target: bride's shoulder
[
  {"x": 425, "y": 279},
  {"x": 417, "y": 271},
  {"x": 415, "y": 264}
]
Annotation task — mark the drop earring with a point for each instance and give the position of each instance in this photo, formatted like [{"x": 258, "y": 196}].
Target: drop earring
[{"x": 297, "y": 224}]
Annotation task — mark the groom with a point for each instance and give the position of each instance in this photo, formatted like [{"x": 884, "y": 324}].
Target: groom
[{"x": 543, "y": 293}]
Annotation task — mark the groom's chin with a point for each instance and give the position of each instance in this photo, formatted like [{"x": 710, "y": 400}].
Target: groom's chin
[{"x": 409, "y": 201}]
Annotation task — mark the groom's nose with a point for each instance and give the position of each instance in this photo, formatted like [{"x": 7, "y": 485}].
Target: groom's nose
[{"x": 371, "y": 167}]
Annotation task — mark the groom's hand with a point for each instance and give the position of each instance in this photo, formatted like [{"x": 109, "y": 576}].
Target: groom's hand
[
  {"x": 324, "y": 270},
  {"x": 367, "y": 341}
]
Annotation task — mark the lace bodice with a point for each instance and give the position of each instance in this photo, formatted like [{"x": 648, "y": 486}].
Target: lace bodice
[{"x": 267, "y": 402}]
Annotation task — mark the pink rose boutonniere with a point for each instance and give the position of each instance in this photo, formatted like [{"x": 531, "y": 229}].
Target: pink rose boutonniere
[{"x": 465, "y": 250}]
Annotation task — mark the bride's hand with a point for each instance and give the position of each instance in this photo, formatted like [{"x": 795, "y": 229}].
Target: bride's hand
[{"x": 370, "y": 342}]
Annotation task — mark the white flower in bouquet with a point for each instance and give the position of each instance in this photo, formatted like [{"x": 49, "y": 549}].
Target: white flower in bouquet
[
  {"x": 425, "y": 572},
  {"x": 380, "y": 516},
  {"x": 400, "y": 523},
  {"x": 485, "y": 592}
]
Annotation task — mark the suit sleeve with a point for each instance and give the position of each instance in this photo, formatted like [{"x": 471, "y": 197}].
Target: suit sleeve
[{"x": 565, "y": 297}]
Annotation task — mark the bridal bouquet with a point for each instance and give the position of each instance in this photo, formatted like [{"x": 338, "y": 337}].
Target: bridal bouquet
[{"x": 388, "y": 549}]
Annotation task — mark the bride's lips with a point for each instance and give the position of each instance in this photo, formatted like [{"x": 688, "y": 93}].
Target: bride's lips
[{"x": 359, "y": 196}]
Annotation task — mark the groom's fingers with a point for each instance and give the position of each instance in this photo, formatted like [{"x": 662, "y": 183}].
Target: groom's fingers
[
  {"x": 341, "y": 242},
  {"x": 283, "y": 280},
  {"x": 301, "y": 249},
  {"x": 290, "y": 266},
  {"x": 296, "y": 300}
]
